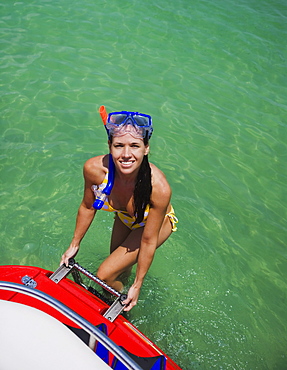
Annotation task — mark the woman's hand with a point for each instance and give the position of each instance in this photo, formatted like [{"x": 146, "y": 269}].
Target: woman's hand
[
  {"x": 132, "y": 298},
  {"x": 70, "y": 253}
]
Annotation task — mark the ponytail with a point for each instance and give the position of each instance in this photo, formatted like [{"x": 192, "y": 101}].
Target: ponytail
[{"x": 143, "y": 189}]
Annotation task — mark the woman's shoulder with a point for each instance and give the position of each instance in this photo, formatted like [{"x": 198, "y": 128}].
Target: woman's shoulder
[
  {"x": 157, "y": 173},
  {"x": 95, "y": 162},
  {"x": 159, "y": 182},
  {"x": 96, "y": 168}
]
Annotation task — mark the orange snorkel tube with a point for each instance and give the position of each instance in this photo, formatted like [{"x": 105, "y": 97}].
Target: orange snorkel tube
[
  {"x": 101, "y": 194},
  {"x": 103, "y": 114}
]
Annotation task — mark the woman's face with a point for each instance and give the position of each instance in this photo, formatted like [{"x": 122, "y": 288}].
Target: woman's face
[{"x": 128, "y": 153}]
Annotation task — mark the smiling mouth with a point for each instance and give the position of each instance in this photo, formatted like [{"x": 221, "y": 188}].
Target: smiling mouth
[{"x": 126, "y": 163}]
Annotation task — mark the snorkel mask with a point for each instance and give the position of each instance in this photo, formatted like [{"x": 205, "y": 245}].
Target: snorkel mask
[{"x": 138, "y": 125}]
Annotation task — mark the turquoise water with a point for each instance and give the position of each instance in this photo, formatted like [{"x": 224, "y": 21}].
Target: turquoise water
[{"x": 213, "y": 76}]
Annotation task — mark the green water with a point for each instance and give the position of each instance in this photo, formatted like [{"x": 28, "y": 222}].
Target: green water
[{"x": 213, "y": 76}]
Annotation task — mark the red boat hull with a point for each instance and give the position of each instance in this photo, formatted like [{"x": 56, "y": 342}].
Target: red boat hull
[{"x": 86, "y": 304}]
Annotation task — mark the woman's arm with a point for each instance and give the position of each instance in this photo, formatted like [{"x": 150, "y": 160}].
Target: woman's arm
[
  {"x": 86, "y": 212},
  {"x": 84, "y": 219},
  {"x": 160, "y": 201}
]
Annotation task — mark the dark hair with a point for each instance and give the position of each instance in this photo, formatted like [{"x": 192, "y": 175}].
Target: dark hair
[{"x": 142, "y": 191}]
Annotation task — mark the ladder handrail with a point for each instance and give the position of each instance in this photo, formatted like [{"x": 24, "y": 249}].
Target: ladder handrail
[{"x": 79, "y": 320}]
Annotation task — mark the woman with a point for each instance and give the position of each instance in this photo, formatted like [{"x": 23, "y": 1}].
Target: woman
[{"x": 139, "y": 197}]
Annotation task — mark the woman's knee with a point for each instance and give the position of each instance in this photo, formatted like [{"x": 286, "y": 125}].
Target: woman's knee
[
  {"x": 110, "y": 277},
  {"x": 105, "y": 274}
]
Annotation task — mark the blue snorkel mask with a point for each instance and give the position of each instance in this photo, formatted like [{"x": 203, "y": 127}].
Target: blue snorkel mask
[{"x": 137, "y": 124}]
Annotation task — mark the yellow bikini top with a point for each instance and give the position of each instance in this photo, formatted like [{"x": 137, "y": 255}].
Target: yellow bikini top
[{"x": 124, "y": 216}]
